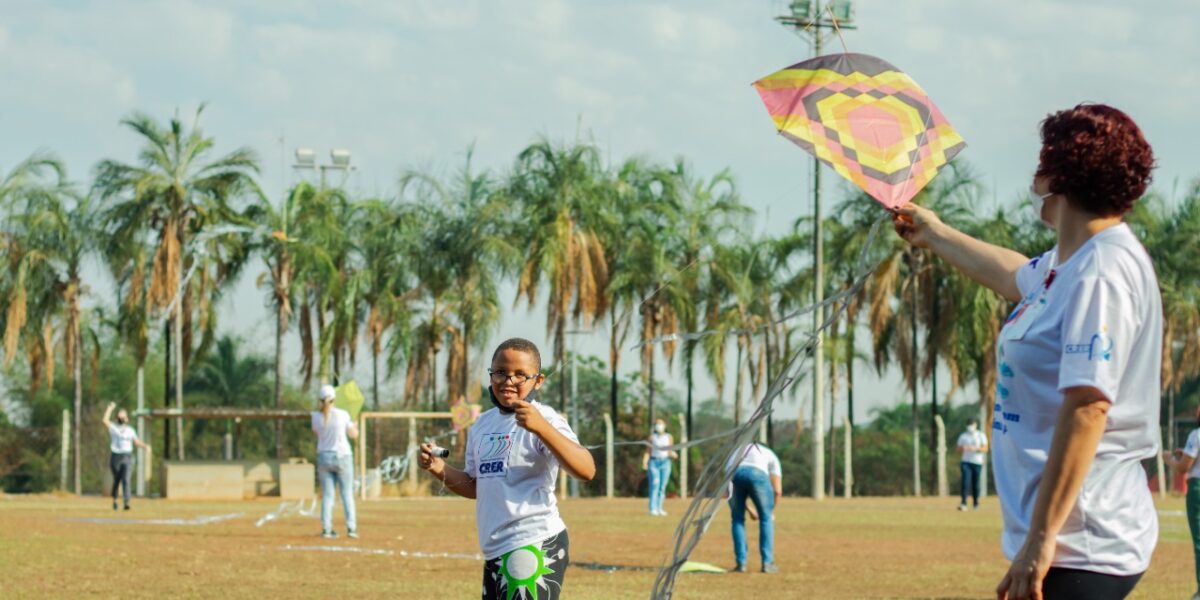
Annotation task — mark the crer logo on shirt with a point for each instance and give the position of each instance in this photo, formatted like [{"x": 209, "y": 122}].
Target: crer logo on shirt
[
  {"x": 495, "y": 467},
  {"x": 493, "y": 452}
]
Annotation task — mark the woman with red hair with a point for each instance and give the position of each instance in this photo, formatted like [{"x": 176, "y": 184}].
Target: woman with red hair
[{"x": 1077, "y": 399}]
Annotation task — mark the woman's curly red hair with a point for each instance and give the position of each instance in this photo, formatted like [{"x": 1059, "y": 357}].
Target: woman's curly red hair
[{"x": 1097, "y": 157}]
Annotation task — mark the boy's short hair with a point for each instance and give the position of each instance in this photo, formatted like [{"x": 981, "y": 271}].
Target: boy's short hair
[{"x": 520, "y": 345}]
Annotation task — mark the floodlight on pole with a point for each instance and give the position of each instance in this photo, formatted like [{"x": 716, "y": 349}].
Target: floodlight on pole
[
  {"x": 305, "y": 158},
  {"x": 339, "y": 160},
  {"x": 340, "y": 157}
]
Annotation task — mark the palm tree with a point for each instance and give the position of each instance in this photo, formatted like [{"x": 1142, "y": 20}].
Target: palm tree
[
  {"x": 625, "y": 194},
  {"x": 1170, "y": 234},
  {"x": 325, "y": 280},
  {"x": 127, "y": 262},
  {"x": 560, "y": 193},
  {"x": 738, "y": 307},
  {"x": 38, "y": 177},
  {"x": 287, "y": 253},
  {"x": 427, "y": 206},
  {"x": 173, "y": 193},
  {"x": 472, "y": 232},
  {"x": 57, "y": 229},
  {"x": 955, "y": 195},
  {"x": 384, "y": 269},
  {"x": 646, "y": 279},
  {"x": 711, "y": 211},
  {"x": 914, "y": 280},
  {"x": 233, "y": 379}
]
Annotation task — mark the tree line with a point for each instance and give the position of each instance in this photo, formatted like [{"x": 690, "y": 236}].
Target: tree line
[{"x": 638, "y": 249}]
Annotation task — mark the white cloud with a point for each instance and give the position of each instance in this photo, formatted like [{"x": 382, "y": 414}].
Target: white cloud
[
  {"x": 693, "y": 32},
  {"x": 432, "y": 15}
]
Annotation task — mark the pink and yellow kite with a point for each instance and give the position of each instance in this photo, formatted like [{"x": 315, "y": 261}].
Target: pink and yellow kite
[{"x": 865, "y": 118}]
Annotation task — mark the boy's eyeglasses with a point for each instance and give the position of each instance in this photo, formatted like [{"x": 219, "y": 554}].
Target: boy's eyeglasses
[{"x": 517, "y": 378}]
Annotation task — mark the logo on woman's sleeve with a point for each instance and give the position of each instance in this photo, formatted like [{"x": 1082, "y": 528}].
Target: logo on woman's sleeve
[
  {"x": 493, "y": 454},
  {"x": 1099, "y": 347}
]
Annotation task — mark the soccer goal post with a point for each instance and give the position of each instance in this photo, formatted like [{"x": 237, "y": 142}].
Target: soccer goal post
[{"x": 382, "y": 436}]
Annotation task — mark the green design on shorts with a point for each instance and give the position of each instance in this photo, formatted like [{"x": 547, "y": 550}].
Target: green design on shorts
[{"x": 523, "y": 568}]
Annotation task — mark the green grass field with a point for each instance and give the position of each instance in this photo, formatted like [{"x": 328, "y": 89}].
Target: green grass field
[{"x": 861, "y": 548}]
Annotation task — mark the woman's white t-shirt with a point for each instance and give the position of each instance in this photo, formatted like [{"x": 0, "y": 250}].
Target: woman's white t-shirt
[
  {"x": 120, "y": 438},
  {"x": 331, "y": 434},
  {"x": 1096, "y": 321},
  {"x": 660, "y": 445},
  {"x": 514, "y": 476}
]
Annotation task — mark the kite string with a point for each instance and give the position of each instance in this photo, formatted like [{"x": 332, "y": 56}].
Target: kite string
[{"x": 717, "y": 473}]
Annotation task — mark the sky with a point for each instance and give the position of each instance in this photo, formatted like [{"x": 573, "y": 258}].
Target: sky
[{"x": 414, "y": 83}]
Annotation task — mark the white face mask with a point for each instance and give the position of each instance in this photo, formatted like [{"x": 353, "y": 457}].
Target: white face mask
[
  {"x": 659, "y": 427},
  {"x": 1038, "y": 200},
  {"x": 971, "y": 428}
]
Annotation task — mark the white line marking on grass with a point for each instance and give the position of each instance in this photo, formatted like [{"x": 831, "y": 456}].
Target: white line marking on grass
[
  {"x": 195, "y": 521},
  {"x": 384, "y": 552},
  {"x": 417, "y": 554},
  {"x": 353, "y": 549}
]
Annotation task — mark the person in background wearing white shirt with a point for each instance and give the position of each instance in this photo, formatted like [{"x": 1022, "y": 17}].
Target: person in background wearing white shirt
[
  {"x": 1184, "y": 461},
  {"x": 335, "y": 461},
  {"x": 512, "y": 457},
  {"x": 122, "y": 440},
  {"x": 1078, "y": 360},
  {"x": 973, "y": 445},
  {"x": 656, "y": 461},
  {"x": 758, "y": 477}
]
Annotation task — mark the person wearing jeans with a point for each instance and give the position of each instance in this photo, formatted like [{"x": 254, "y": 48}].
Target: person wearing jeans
[
  {"x": 973, "y": 445},
  {"x": 1184, "y": 461},
  {"x": 122, "y": 440},
  {"x": 335, "y": 461},
  {"x": 656, "y": 461},
  {"x": 335, "y": 470},
  {"x": 757, "y": 477}
]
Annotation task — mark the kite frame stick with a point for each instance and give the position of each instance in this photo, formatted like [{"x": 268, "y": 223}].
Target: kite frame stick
[{"x": 836, "y": 29}]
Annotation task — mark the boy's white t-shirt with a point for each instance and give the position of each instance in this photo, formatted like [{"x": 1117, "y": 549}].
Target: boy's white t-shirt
[
  {"x": 120, "y": 438},
  {"x": 514, "y": 474},
  {"x": 331, "y": 436},
  {"x": 1192, "y": 449},
  {"x": 1097, "y": 323},
  {"x": 973, "y": 438}
]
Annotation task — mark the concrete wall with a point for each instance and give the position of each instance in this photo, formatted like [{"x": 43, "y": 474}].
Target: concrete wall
[{"x": 236, "y": 480}]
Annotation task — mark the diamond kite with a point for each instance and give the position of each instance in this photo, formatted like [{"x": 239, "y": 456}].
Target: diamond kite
[{"x": 865, "y": 118}]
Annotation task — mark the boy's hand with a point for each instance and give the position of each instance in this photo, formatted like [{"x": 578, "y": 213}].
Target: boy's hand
[
  {"x": 426, "y": 460},
  {"x": 530, "y": 417}
]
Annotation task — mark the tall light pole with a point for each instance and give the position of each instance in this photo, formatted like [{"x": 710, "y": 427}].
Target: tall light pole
[{"x": 814, "y": 20}]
